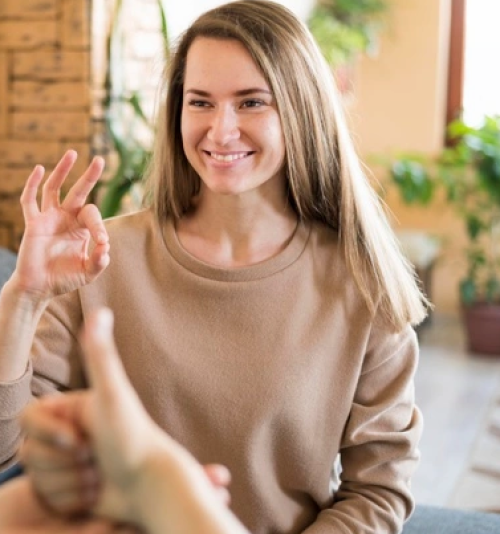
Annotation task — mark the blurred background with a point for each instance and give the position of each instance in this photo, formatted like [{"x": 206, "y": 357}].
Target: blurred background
[{"x": 85, "y": 74}]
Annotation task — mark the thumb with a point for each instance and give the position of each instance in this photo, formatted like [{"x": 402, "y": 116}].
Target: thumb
[{"x": 107, "y": 376}]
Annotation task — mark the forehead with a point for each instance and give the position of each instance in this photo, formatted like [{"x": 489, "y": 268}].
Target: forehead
[{"x": 221, "y": 61}]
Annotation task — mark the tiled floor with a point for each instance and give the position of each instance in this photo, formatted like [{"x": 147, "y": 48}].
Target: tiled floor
[{"x": 454, "y": 390}]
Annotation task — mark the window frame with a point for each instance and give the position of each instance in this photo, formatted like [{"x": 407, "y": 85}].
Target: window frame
[{"x": 456, "y": 61}]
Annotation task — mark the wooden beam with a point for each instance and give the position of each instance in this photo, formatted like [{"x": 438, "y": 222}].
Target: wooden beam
[{"x": 456, "y": 60}]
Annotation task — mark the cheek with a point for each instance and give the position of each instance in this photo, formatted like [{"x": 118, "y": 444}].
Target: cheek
[
  {"x": 274, "y": 128},
  {"x": 184, "y": 129},
  {"x": 193, "y": 131},
  {"x": 274, "y": 134},
  {"x": 188, "y": 134}
]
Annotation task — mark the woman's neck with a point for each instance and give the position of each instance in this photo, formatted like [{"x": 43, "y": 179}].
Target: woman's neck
[{"x": 235, "y": 232}]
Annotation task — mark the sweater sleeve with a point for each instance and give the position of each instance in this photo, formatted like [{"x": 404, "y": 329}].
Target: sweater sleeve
[
  {"x": 379, "y": 445},
  {"x": 54, "y": 366}
]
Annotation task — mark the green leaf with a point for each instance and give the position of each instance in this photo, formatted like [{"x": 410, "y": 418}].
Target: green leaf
[
  {"x": 344, "y": 28},
  {"x": 337, "y": 41},
  {"x": 164, "y": 30},
  {"x": 474, "y": 226},
  {"x": 112, "y": 199},
  {"x": 468, "y": 291},
  {"x": 413, "y": 181},
  {"x": 492, "y": 292},
  {"x": 134, "y": 101}
]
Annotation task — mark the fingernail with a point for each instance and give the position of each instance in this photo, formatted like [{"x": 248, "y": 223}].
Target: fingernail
[{"x": 99, "y": 159}]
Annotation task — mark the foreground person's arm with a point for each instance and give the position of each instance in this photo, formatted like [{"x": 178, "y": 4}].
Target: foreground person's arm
[
  {"x": 22, "y": 513},
  {"x": 147, "y": 479}
]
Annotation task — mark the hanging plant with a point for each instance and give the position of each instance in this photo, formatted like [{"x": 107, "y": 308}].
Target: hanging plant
[{"x": 345, "y": 28}]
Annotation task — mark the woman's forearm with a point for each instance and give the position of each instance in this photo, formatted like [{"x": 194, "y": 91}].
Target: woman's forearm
[{"x": 19, "y": 317}]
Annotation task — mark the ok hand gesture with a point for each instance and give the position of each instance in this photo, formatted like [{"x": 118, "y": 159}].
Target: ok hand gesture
[{"x": 55, "y": 257}]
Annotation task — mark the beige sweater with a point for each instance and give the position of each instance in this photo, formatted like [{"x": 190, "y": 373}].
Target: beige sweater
[{"x": 271, "y": 369}]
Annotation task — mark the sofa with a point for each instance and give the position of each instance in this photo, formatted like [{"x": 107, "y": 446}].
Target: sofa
[
  {"x": 440, "y": 520},
  {"x": 7, "y": 264}
]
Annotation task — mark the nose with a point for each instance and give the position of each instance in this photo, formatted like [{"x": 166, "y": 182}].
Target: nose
[{"x": 224, "y": 126}]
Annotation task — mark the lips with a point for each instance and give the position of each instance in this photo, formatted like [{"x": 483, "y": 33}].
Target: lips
[{"x": 227, "y": 157}]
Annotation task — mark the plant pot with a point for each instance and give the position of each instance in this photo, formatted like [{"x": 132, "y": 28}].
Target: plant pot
[{"x": 482, "y": 326}]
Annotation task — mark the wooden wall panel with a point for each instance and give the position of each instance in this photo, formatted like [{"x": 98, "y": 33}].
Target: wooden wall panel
[
  {"x": 45, "y": 96},
  {"x": 57, "y": 96},
  {"x": 29, "y": 9},
  {"x": 51, "y": 126},
  {"x": 27, "y": 34},
  {"x": 4, "y": 93},
  {"x": 51, "y": 64}
]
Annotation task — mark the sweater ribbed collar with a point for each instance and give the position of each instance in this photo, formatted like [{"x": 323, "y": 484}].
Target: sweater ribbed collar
[{"x": 263, "y": 269}]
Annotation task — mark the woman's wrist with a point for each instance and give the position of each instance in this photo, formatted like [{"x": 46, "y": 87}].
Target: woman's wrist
[
  {"x": 20, "y": 312},
  {"x": 21, "y": 296}
]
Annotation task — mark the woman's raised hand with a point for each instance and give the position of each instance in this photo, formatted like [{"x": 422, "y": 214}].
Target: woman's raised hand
[{"x": 65, "y": 244}]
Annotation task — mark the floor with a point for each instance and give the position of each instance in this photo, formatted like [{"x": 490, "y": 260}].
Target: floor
[{"x": 454, "y": 391}]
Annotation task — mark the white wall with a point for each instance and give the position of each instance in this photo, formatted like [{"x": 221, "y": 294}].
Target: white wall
[{"x": 186, "y": 11}]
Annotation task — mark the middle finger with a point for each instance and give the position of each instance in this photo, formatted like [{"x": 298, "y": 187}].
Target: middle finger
[
  {"x": 77, "y": 195},
  {"x": 53, "y": 184}
]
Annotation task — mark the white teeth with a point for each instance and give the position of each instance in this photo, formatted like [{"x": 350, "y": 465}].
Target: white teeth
[{"x": 227, "y": 157}]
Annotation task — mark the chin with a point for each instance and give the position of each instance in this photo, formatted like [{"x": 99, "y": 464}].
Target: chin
[{"x": 227, "y": 187}]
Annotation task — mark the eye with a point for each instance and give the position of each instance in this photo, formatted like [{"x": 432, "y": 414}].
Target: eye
[
  {"x": 198, "y": 103},
  {"x": 253, "y": 103}
]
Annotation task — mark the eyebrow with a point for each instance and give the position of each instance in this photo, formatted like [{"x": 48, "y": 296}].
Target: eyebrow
[{"x": 242, "y": 92}]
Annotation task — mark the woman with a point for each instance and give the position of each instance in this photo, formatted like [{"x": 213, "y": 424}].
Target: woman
[{"x": 262, "y": 307}]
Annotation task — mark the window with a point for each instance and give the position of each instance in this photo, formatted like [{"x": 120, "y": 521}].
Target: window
[
  {"x": 481, "y": 84},
  {"x": 474, "y": 77}
]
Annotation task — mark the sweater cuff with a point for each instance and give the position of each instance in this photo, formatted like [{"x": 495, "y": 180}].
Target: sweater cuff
[{"x": 14, "y": 396}]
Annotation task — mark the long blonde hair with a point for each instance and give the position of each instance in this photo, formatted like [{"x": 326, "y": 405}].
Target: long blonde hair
[{"x": 325, "y": 178}]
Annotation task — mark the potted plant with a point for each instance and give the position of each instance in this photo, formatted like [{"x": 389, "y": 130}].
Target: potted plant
[{"x": 469, "y": 173}]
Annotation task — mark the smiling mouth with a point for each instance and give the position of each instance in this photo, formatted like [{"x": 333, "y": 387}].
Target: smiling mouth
[{"x": 226, "y": 158}]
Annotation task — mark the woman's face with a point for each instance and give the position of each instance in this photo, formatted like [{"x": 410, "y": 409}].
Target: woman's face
[{"x": 231, "y": 130}]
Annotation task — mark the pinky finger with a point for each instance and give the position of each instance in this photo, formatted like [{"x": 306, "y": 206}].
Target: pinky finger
[{"x": 30, "y": 191}]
